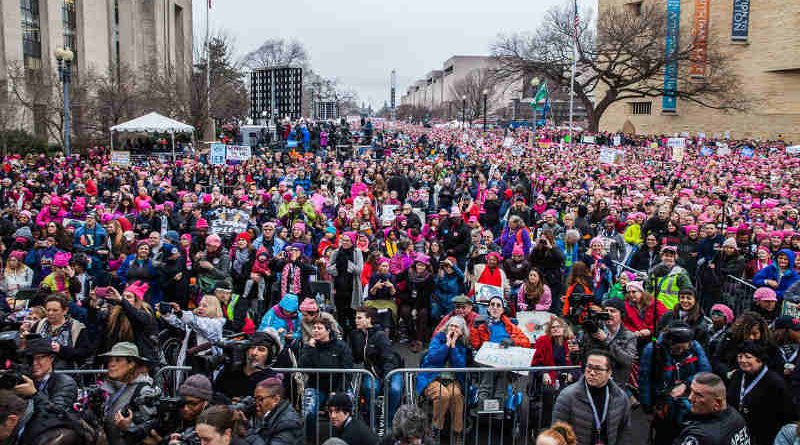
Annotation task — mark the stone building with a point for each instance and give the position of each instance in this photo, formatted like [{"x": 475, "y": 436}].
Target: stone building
[{"x": 763, "y": 42}]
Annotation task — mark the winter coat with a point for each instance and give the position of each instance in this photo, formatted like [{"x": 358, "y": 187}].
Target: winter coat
[
  {"x": 657, "y": 371},
  {"x": 143, "y": 325},
  {"x": 282, "y": 426},
  {"x": 637, "y": 320},
  {"x": 509, "y": 239},
  {"x": 374, "y": 349},
  {"x": 771, "y": 272},
  {"x": 448, "y": 286},
  {"x": 622, "y": 348},
  {"x": 455, "y": 238},
  {"x": 700, "y": 326},
  {"x": 356, "y": 432},
  {"x": 543, "y": 355},
  {"x": 545, "y": 301},
  {"x": 572, "y": 406},
  {"x": 333, "y": 354},
  {"x": 139, "y": 397},
  {"x": 665, "y": 283},
  {"x": 442, "y": 356},
  {"x": 355, "y": 268},
  {"x": 480, "y": 334},
  {"x": 766, "y": 408},
  {"x": 644, "y": 259}
]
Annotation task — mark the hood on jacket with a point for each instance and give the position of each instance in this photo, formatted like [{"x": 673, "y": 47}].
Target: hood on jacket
[
  {"x": 289, "y": 303},
  {"x": 789, "y": 254}
]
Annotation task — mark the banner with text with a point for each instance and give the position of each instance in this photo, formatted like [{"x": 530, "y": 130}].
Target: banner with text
[
  {"x": 700, "y": 32},
  {"x": 227, "y": 221},
  {"x": 491, "y": 354},
  {"x": 216, "y": 155},
  {"x": 740, "y": 28},
  {"x": 669, "y": 102}
]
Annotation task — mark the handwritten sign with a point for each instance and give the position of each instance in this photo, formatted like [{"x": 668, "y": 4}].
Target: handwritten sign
[
  {"x": 491, "y": 354},
  {"x": 485, "y": 292},
  {"x": 237, "y": 152},
  {"x": 122, "y": 158},
  {"x": 588, "y": 140},
  {"x": 611, "y": 156},
  {"x": 387, "y": 212},
  {"x": 227, "y": 221},
  {"x": 532, "y": 323},
  {"x": 217, "y": 154}
]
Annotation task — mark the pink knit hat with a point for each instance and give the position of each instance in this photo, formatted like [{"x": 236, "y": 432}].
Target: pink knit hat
[
  {"x": 517, "y": 250},
  {"x": 726, "y": 311},
  {"x": 764, "y": 294},
  {"x": 309, "y": 305},
  {"x": 213, "y": 240},
  {"x": 138, "y": 289},
  {"x": 61, "y": 259}
]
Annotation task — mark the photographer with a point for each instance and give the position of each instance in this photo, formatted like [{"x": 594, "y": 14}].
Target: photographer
[
  {"x": 604, "y": 331},
  {"x": 241, "y": 381},
  {"x": 131, "y": 404},
  {"x": 129, "y": 318},
  {"x": 218, "y": 426},
  {"x": 235, "y": 308},
  {"x": 57, "y": 391},
  {"x": 196, "y": 395},
  {"x": 666, "y": 370}
]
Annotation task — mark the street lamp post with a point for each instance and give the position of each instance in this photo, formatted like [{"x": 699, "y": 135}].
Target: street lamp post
[
  {"x": 64, "y": 57},
  {"x": 485, "y": 117},
  {"x": 535, "y": 84},
  {"x": 464, "y": 111}
]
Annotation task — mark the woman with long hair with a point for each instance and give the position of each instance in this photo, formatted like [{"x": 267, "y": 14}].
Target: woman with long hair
[
  {"x": 749, "y": 326},
  {"x": 552, "y": 349},
  {"x": 641, "y": 316},
  {"x": 689, "y": 311},
  {"x": 533, "y": 294},
  {"x": 579, "y": 281},
  {"x": 129, "y": 318},
  {"x": 117, "y": 244},
  {"x": 16, "y": 274}
]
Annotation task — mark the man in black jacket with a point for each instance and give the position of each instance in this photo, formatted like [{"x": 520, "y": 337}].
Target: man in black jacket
[
  {"x": 46, "y": 389},
  {"x": 345, "y": 426},
  {"x": 280, "y": 425},
  {"x": 455, "y": 237},
  {"x": 712, "y": 421}
]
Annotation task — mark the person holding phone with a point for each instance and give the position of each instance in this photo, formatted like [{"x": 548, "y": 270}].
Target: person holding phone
[{"x": 127, "y": 317}]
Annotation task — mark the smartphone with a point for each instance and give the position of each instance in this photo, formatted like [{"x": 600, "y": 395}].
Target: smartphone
[
  {"x": 101, "y": 292},
  {"x": 164, "y": 308}
]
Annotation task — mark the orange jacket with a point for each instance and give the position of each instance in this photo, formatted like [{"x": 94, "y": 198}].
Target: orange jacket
[{"x": 480, "y": 334}]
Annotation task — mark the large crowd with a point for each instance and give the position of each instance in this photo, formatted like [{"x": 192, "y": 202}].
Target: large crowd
[{"x": 670, "y": 278}]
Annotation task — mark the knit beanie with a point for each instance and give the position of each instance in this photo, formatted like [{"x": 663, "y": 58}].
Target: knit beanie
[{"x": 198, "y": 386}]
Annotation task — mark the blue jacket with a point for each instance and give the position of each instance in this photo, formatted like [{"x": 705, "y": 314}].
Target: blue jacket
[
  {"x": 95, "y": 239},
  {"x": 441, "y": 356},
  {"x": 772, "y": 272},
  {"x": 448, "y": 286},
  {"x": 692, "y": 362}
]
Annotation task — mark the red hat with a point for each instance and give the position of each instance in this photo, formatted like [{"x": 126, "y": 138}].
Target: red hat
[{"x": 243, "y": 236}]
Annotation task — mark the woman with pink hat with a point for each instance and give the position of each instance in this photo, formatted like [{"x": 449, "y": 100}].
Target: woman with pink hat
[
  {"x": 416, "y": 297},
  {"x": 130, "y": 319}
]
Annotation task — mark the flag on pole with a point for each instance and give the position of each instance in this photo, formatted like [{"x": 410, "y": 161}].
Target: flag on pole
[
  {"x": 576, "y": 22},
  {"x": 541, "y": 96}
]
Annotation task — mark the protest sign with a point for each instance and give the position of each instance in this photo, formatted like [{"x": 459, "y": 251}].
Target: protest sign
[
  {"x": 485, "y": 292},
  {"x": 617, "y": 140},
  {"x": 676, "y": 142},
  {"x": 793, "y": 149},
  {"x": 217, "y": 154},
  {"x": 492, "y": 355},
  {"x": 532, "y": 323},
  {"x": 226, "y": 221},
  {"x": 723, "y": 149},
  {"x": 121, "y": 158},
  {"x": 791, "y": 309},
  {"x": 588, "y": 140},
  {"x": 611, "y": 156},
  {"x": 76, "y": 223},
  {"x": 517, "y": 151},
  {"x": 387, "y": 212},
  {"x": 677, "y": 154},
  {"x": 237, "y": 152},
  {"x": 508, "y": 142},
  {"x": 707, "y": 151},
  {"x": 747, "y": 152}
]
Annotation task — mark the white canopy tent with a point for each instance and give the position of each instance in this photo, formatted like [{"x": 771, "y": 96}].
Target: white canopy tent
[{"x": 152, "y": 123}]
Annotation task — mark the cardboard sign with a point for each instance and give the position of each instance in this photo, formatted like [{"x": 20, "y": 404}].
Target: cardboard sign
[
  {"x": 485, "y": 292},
  {"x": 508, "y": 142},
  {"x": 791, "y": 309},
  {"x": 677, "y": 154},
  {"x": 532, "y": 323},
  {"x": 237, "y": 152},
  {"x": 122, "y": 158},
  {"x": 216, "y": 155},
  {"x": 723, "y": 149},
  {"x": 227, "y": 221},
  {"x": 588, "y": 140},
  {"x": 617, "y": 140},
  {"x": 491, "y": 354}
]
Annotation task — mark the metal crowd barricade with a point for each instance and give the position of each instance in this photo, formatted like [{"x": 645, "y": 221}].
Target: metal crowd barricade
[
  {"x": 84, "y": 377},
  {"x": 169, "y": 378},
  {"x": 498, "y": 406},
  {"x": 737, "y": 293},
  {"x": 308, "y": 398}
]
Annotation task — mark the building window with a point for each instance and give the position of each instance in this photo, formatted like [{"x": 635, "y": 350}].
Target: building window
[
  {"x": 31, "y": 35},
  {"x": 634, "y": 7},
  {"x": 68, "y": 20},
  {"x": 449, "y": 70},
  {"x": 640, "y": 107}
]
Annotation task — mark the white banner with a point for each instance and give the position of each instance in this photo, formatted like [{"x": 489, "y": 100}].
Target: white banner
[
  {"x": 122, "y": 158},
  {"x": 532, "y": 323},
  {"x": 611, "y": 156},
  {"x": 588, "y": 140},
  {"x": 237, "y": 152},
  {"x": 216, "y": 155},
  {"x": 676, "y": 142},
  {"x": 491, "y": 354},
  {"x": 793, "y": 149}
]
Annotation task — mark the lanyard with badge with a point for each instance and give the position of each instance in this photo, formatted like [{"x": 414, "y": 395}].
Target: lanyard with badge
[
  {"x": 743, "y": 392},
  {"x": 598, "y": 421}
]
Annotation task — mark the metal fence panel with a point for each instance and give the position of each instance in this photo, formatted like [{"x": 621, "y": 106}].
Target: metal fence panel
[{"x": 737, "y": 293}]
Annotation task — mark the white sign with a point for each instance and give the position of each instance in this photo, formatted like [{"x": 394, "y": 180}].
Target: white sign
[
  {"x": 508, "y": 142},
  {"x": 793, "y": 149},
  {"x": 588, "y": 140},
  {"x": 485, "y": 292},
  {"x": 517, "y": 151},
  {"x": 677, "y": 154},
  {"x": 122, "y": 158},
  {"x": 791, "y": 309},
  {"x": 237, "y": 152},
  {"x": 611, "y": 156},
  {"x": 676, "y": 142},
  {"x": 491, "y": 354},
  {"x": 532, "y": 323},
  {"x": 617, "y": 140},
  {"x": 723, "y": 149},
  {"x": 387, "y": 212},
  {"x": 216, "y": 155}
]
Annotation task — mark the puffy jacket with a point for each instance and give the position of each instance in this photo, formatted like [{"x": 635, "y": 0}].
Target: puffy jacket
[
  {"x": 622, "y": 348},
  {"x": 282, "y": 426},
  {"x": 448, "y": 286},
  {"x": 572, "y": 406},
  {"x": 480, "y": 334},
  {"x": 772, "y": 272},
  {"x": 441, "y": 356},
  {"x": 140, "y": 397}
]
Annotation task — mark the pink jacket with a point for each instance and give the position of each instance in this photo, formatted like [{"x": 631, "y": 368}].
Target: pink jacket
[{"x": 543, "y": 304}]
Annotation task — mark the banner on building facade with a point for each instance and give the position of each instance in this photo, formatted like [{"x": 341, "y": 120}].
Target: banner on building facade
[
  {"x": 700, "y": 33},
  {"x": 669, "y": 102},
  {"x": 740, "y": 29}
]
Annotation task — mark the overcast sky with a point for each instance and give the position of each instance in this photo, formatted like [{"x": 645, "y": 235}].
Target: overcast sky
[{"x": 359, "y": 42}]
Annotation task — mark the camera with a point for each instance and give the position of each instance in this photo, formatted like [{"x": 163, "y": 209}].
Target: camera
[
  {"x": 164, "y": 308},
  {"x": 11, "y": 370},
  {"x": 579, "y": 304},
  {"x": 246, "y": 405},
  {"x": 594, "y": 320},
  {"x": 101, "y": 292}
]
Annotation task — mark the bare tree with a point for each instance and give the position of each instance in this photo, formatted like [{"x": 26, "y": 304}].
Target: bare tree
[
  {"x": 471, "y": 89},
  {"x": 229, "y": 99},
  {"x": 277, "y": 52},
  {"x": 625, "y": 59},
  {"x": 116, "y": 98}
]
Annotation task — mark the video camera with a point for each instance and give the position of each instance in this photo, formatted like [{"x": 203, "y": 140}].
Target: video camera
[
  {"x": 579, "y": 303},
  {"x": 11, "y": 368},
  {"x": 594, "y": 320},
  {"x": 246, "y": 405}
]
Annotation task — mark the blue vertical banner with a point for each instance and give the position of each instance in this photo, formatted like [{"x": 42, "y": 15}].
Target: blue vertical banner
[
  {"x": 741, "y": 20},
  {"x": 669, "y": 101}
]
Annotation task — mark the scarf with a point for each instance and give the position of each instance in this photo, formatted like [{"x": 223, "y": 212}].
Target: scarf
[
  {"x": 280, "y": 313},
  {"x": 293, "y": 271},
  {"x": 391, "y": 248},
  {"x": 240, "y": 258}
]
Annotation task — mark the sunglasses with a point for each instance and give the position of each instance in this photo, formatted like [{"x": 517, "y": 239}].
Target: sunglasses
[{"x": 495, "y": 305}]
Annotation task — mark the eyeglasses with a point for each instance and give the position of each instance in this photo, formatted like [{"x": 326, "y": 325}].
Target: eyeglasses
[
  {"x": 495, "y": 305},
  {"x": 595, "y": 369}
]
